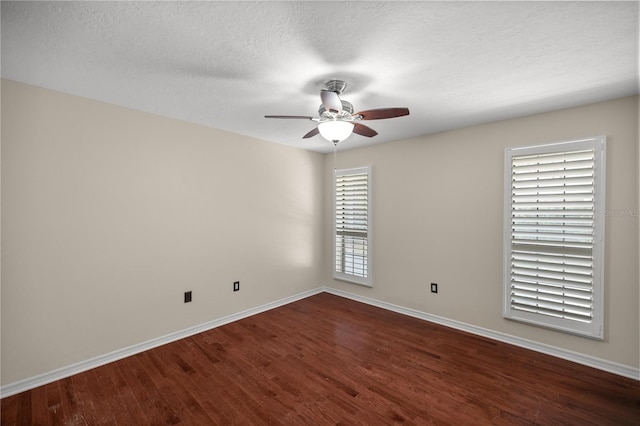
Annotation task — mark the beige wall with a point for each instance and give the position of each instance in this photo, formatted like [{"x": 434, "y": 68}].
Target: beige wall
[
  {"x": 438, "y": 217},
  {"x": 109, "y": 215}
]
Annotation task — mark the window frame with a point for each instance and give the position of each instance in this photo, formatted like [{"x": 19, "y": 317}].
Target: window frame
[
  {"x": 340, "y": 275},
  {"x": 595, "y": 328}
]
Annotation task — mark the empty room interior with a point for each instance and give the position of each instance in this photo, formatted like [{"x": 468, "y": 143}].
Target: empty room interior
[{"x": 320, "y": 213}]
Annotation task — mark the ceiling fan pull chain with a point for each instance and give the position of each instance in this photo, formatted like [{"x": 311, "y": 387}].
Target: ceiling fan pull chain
[{"x": 335, "y": 156}]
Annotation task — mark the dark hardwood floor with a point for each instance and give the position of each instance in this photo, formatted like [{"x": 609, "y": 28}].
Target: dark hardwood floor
[{"x": 329, "y": 360}]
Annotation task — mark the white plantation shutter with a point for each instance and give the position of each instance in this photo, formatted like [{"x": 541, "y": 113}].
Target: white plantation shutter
[
  {"x": 554, "y": 200},
  {"x": 352, "y": 225}
]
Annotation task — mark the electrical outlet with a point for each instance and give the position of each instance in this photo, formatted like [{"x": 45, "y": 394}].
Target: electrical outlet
[
  {"x": 236, "y": 285},
  {"x": 187, "y": 296},
  {"x": 434, "y": 287}
]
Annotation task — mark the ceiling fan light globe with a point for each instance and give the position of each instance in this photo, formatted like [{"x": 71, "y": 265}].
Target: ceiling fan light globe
[{"x": 335, "y": 131}]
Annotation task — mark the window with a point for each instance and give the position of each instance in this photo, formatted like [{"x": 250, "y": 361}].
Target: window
[
  {"x": 352, "y": 225},
  {"x": 554, "y": 235}
]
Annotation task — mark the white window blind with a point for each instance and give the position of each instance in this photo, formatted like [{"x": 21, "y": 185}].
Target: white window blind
[
  {"x": 554, "y": 198},
  {"x": 352, "y": 222}
]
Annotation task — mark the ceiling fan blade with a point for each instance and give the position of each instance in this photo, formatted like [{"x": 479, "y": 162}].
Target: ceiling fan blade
[
  {"x": 306, "y": 117},
  {"x": 363, "y": 130},
  {"x": 381, "y": 113},
  {"x": 331, "y": 101},
  {"x": 311, "y": 133}
]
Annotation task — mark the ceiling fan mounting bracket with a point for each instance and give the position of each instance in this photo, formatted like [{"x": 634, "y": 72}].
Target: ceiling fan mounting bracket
[{"x": 337, "y": 86}]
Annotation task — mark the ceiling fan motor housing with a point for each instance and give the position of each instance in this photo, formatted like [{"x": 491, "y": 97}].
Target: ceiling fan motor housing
[{"x": 347, "y": 110}]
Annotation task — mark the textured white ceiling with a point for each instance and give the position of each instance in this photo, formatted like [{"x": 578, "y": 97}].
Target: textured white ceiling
[{"x": 227, "y": 64}]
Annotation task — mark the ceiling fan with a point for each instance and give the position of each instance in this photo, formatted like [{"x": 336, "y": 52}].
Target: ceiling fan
[{"x": 336, "y": 119}]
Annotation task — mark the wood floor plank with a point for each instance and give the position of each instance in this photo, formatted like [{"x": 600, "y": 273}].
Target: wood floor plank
[
  {"x": 328, "y": 360},
  {"x": 9, "y": 410},
  {"x": 54, "y": 403},
  {"x": 67, "y": 400}
]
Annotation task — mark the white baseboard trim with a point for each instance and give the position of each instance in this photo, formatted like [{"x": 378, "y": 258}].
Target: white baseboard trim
[
  {"x": 70, "y": 370},
  {"x": 601, "y": 364}
]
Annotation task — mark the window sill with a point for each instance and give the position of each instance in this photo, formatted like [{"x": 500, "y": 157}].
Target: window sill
[{"x": 366, "y": 282}]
